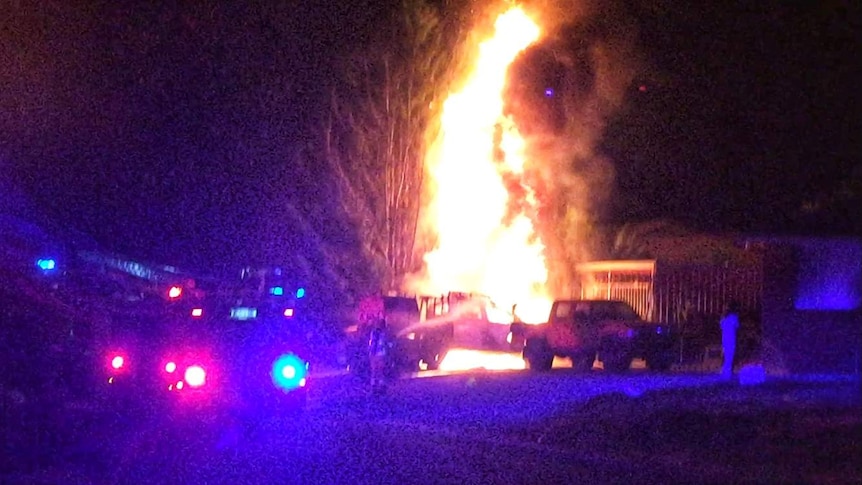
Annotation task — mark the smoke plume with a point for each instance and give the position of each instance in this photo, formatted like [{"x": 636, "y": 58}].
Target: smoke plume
[{"x": 561, "y": 93}]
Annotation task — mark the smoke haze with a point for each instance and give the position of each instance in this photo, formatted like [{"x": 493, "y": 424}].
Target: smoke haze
[{"x": 561, "y": 93}]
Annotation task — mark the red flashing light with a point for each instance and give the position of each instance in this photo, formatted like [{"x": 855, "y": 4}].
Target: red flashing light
[
  {"x": 117, "y": 362},
  {"x": 196, "y": 312},
  {"x": 288, "y": 312},
  {"x": 195, "y": 376},
  {"x": 175, "y": 292}
]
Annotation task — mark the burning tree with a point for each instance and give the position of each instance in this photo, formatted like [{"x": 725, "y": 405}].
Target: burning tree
[
  {"x": 495, "y": 178},
  {"x": 383, "y": 108}
]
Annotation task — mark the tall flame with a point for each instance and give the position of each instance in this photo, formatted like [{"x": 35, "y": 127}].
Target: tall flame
[{"x": 486, "y": 239}]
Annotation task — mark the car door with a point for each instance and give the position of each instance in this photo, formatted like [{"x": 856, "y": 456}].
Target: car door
[{"x": 564, "y": 333}]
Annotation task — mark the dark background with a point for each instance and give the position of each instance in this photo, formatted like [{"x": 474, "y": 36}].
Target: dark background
[
  {"x": 178, "y": 133},
  {"x": 752, "y": 120}
]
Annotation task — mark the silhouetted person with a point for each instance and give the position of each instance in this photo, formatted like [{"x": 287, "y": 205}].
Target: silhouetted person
[
  {"x": 379, "y": 348},
  {"x": 729, "y": 327}
]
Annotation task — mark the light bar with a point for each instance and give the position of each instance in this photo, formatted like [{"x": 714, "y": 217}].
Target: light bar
[
  {"x": 243, "y": 313},
  {"x": 46, "y": 264}
]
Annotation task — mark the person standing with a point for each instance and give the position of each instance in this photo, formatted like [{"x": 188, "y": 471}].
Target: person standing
[
  {"x": 379, "y": 347},
  {"x": 729, "y": 326}
]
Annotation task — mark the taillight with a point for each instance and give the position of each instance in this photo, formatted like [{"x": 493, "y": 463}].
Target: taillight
[
  {"x": 186, "y": 370},
  {"x": 175, "y": 292},
  {"x": 116, "y": 366}
]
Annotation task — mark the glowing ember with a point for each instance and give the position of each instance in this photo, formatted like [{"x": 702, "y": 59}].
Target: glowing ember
[
  {"x": 470, "y": 359},
  {"x": 466, "y": 359},
  {"x": 484, "y": 245}
]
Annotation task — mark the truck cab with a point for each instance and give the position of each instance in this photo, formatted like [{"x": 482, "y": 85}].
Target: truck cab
[
  {"x": 582, "y": 330},
  {"x": 478, "y": 323}
]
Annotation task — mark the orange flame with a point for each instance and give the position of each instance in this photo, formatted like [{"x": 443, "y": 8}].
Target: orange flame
[{"x": 485, "y": 246}]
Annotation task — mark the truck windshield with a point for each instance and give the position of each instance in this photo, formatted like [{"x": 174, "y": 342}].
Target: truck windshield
[
  {"x": 400, "y": 312},
  {"x": 594, "y": 310},
  {"x": 399, "y": 304},
  {"x": 614, "y": 310}
]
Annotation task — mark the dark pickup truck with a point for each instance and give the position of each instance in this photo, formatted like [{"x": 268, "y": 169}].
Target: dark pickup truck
[{"x": 584, "y": 329}]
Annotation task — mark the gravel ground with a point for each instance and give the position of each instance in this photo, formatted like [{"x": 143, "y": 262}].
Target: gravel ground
[{"x": 511, "y": 427}]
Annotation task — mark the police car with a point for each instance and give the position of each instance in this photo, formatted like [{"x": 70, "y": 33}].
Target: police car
[{"x": 209, "y": 353}]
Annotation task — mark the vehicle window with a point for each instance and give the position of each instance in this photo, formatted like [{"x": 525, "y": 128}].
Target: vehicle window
[
  {"x": 582, "y": 311},
  {"x": 471, "y": 309},
  {"x": 563, "y": 311},
  {"x": 407, "y": 305},
  {"x": 614, "y": 310}
]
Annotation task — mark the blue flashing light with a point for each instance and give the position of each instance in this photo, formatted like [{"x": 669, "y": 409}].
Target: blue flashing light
[
  {"x": 276, "y": 291},
  {"x": 46, "y": 264},
  {"x": 549, "y": 92},
  {"x": 289, "y": 372},
  {"x": 300, "y": 293}
]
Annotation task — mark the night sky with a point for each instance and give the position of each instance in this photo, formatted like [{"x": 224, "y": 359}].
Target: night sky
[
  {"x": 178, "y": 133},
  {"x": 752, "y": 112}
]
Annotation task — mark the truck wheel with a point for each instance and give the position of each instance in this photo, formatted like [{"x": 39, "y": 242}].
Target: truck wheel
[
  {"x": 615, "y": 361},
  {"x": 540, "y": 363},
  {"x": 583, "y": 362},
  {"x": 538, "y": 355}
]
